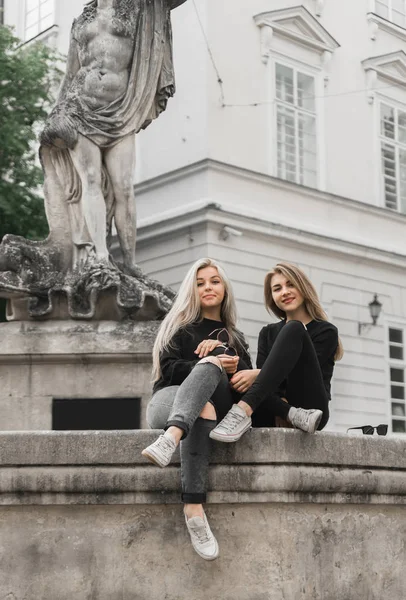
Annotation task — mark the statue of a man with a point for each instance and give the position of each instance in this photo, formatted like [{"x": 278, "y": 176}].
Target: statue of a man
[{"x": 119, "y": 76}]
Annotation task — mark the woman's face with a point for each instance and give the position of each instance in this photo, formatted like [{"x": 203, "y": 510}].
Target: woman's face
[
  {"x": 285, "y": 295},
  {"x": 210, "y": 287}
]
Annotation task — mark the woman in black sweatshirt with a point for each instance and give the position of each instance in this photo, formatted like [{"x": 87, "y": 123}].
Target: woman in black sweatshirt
[
  {"x": 197, "y": 350},
  {"x": 295, "y": 361}
]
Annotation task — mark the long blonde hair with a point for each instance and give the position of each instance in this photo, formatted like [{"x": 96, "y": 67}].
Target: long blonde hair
[
  {"x": 311, "y": 300},
  {"x": 186, "y": 310}
]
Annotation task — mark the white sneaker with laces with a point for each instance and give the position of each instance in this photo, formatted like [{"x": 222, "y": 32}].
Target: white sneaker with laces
[
  {"x": 160, "y": 452},
  {"x": 304, "y": 419},
  {"x": 233, "y": 426},
  {"x": 203, "y": 540}
]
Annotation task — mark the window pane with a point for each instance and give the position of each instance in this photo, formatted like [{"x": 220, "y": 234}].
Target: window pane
[
  {"x": 306, "y": 92},
  {"x": 31, "y": 18},
  {"x": 307, "y": 149},
  {"x": 382, "y": 8},
  {"x": 389, "y": 173},
  {"x": 396, "y": 335},
  {"x": 398, "y": 410},
  {"x": 397, "y": 375},
  {"x": 284, "y": 84},
  {"x": 286, "y": 136},
  {"x": 397, "y": 392},
  {"x": 388, "y": 121},
  {"x": 396, "y": 352},
  {"x": 31, "y": 4},
  {"x": 402, "y": 179},
  {"x": 399, "y": 426},
  {"x": 47, "y": 8}
]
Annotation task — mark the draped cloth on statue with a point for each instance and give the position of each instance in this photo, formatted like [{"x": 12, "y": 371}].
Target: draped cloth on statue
[{"x": 150, "y": 84}]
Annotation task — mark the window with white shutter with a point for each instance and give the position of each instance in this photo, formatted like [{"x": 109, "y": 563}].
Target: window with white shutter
[
  {"x": 393, "y": 154},
  {"x": 39, "y": 16},
  {"x": 296, "y": 125},
  {"x": 397, "y": 364},
  {"x": 392, "y": 10}
]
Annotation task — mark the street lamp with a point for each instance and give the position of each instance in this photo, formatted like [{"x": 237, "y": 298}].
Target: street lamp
[{"x": 375, "y": 308}]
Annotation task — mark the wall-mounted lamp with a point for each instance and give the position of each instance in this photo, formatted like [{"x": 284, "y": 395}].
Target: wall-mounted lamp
[
  {"x": 226, "y": 231},
  {"x": 375, "y": 308}
]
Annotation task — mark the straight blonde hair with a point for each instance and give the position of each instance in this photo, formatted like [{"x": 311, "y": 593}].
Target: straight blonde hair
[
  {"x": 311, "y": 300},
  {"x": 187, "y": 310}
]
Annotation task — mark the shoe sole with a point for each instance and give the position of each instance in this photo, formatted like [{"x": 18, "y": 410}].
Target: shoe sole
[
  {"x": 219, "y": 437},
  {"x": 152, "y": 458},
  {"x": 316, "y": 423},
  {"x": 208, "y": 557}
]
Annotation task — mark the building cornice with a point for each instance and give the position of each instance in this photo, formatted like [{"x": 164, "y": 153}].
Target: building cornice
[
  {"x": 377, "y": 23},
  {"x": 213, "y": 214},
  {"x": 390, "y": 67},
  {"x": 297, "y": 25},
  {"x": 210, "y": 165}
]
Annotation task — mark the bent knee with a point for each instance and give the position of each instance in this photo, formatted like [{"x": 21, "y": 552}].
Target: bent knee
[
  {"x": 208, "y": 412},
  {"x": 297, "y": 325},
  {"x": 211, "y": 359}
]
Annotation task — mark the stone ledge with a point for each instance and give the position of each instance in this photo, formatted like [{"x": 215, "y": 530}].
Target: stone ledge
[
  {"x": 259, "y": 446},
  {"x": 267, "y": 465}
]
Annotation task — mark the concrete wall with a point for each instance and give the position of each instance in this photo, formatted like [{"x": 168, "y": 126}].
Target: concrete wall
[
  {"x": 296, "y": 516},
  {"x": 40, "y": 361}
]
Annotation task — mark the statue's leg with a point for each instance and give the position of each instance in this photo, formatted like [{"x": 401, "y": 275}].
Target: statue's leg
[
  {"x": 120, "y": 165},
  {"x": 86, "y": 157}
]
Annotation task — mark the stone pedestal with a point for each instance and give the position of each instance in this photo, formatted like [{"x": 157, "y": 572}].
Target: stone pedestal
[
  {"x": 84, "y": 516},
  {"x": 40, "y": 361}
]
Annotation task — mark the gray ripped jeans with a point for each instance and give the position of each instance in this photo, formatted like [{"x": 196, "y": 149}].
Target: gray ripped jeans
[{"x": 181, "y": 405}]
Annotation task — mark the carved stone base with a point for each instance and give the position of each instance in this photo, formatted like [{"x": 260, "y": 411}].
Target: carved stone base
[{"x": 36, "y": 288}]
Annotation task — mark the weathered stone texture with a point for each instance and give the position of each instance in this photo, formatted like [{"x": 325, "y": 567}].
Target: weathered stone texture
[
  {"x": 68, "y": 359},
  {"x": 297, "y": 517}
]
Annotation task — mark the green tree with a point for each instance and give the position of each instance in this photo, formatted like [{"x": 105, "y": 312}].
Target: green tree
[{"x": 27, "y": 77}]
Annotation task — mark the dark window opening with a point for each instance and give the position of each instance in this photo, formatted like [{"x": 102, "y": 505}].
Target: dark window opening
[{"x": 95, "y": 413}]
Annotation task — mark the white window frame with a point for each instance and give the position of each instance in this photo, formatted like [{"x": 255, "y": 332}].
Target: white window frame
[
  {"x": 395, "y": 364},
  {"x": 317, "y": 74},
  {"x": 38, "y": 22},
  {"x": 391, "y": 11},
  {"x": 396, "y": 106}
]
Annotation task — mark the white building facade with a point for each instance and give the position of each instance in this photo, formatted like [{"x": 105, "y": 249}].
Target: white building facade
[{"x": 289, "y": 129}]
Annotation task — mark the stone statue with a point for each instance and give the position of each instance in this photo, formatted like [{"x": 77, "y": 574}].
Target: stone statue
[{"x": 119, "y": 77}]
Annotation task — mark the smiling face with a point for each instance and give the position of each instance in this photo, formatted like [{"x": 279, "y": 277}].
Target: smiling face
[
  {"x": 285, "y": 295},
  {"x": 211, "y": 290}
]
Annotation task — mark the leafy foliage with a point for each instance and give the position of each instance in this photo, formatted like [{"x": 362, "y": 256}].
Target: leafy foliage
[{"x": 27, "y": 76}]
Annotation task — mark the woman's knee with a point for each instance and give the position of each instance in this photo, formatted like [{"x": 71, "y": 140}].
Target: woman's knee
[
  {"x": 214, "y": 360},
  {"x": 208, "y": 412}
]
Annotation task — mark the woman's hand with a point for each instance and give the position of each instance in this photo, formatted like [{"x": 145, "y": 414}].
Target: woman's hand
[
  {"x": 229, "y": 363},
  {"x": 207, "y": 346},
  {"x": 243, "y": 380}
]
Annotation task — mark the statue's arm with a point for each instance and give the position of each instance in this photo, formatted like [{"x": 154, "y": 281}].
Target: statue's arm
[
  {"x": 72, "y": 67},
  {"x": 175, "y": 3}
]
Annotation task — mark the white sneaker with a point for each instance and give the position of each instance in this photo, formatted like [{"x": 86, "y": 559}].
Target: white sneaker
[
  {"x": 160, "y": 452},
  {"x": 306, "y": 420},
  {"x": 203, "y": 540},
  {"x": 233, "y": 426}
]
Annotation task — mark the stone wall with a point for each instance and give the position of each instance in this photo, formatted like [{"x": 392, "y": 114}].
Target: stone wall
[
  {"x": 297, "y": 517},
  {"x": 40, "y": 361}
]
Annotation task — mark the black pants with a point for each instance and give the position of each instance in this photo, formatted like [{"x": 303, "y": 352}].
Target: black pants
[{"x": 292, "y": 361}]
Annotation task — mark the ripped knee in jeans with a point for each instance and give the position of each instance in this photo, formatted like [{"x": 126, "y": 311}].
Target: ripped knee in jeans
[{"x": 211, "y": 359}]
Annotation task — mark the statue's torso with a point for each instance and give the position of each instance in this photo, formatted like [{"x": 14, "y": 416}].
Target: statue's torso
[{"x": 105, "y": 49}]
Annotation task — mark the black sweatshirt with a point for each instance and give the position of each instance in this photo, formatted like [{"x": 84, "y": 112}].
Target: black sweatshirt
[
  {"x": 180, "y": 358},
  {"x": 324, "y": 336}
]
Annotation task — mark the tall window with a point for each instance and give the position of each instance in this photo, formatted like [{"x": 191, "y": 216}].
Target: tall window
[
  {"x": 393, "y": 153},
  {"x": 1, "y": 12},
  {"x": 39, "y": 15},
  {"x": 296, "y": 126},
  {"x": 397, "y": 379},
  {"x": 393, "y": 10}
]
